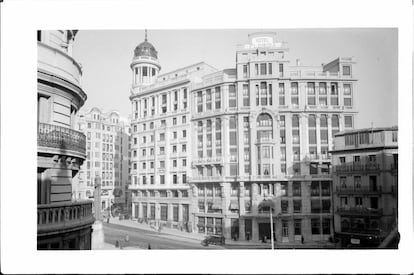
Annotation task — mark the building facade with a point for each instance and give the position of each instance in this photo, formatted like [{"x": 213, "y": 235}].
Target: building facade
[
  {"x": 161, "y": 139},
  {"x": 365, "y": 181},
  {"x": 107, "y": 147},
  {"x": 61, "y": 222},
  {"x": 262, "y": 133}
]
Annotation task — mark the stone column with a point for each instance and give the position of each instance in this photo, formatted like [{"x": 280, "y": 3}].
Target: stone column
[
  {"x": 255, "y": 230},
  {"x": 253, "y": 147},
  {"x": 225, "y": 144},
  {"x": 180, "y": 213},
  {"x": 170, "y": 213},
  {"x": 140, "y": 211},
  {"x": 242, "y": 235},
  {"x": 133, "y": 210},
  {"x": 240, "y": 144},
  {"x": 241, "y": 199},
  {"x": 318, "y": 134}
]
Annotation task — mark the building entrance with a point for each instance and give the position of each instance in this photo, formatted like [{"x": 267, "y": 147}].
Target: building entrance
[{"x": 264, "y": 231}]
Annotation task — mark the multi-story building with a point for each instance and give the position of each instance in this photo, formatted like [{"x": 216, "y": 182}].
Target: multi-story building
[
  {"x": 262, "y": 134},
  {"x": 161, "y": 139},
  {"x": 365, "y": 181},
  {"x": 107, "y": 145},
  {"x": 61, "y": 222}
]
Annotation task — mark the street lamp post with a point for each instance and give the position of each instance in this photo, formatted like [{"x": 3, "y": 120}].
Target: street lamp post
[
  {"x": 270, "y": 202},
  {"x": 271, "y": 226}
]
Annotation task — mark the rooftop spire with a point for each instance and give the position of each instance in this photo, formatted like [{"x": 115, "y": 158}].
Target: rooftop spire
[{"x": 146, "y": 35}]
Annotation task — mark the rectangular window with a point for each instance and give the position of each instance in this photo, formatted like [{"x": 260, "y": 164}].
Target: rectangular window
[
  {"x": 218, "y": 98},
  {"x": 246, "y": 97},
  {"x": 200, "y": 101},
  {"x": 284, "y": 206},
  {"x": 285, "y": 229},
  {"x": 298, "y": 227},
  {"x": 326, "y": 206},
  {"x": 316, "y": 226},
  {"x": 263, "y": 69},
  {"x": 348, "y": 121},
  {"x": 164, "y": 212},
  {"x": 208, "y": 100},
  {"x": 281, "y": 69},
  {"x": 263, "y": 93},
  {"x": 316, "y": 206},
  {"x": 297, "y": 206},
  {"x": 326, "y": 226},
  {"x": 281, "y": 94},
  {"x": 245, "y": 71},
  {"x": 175, "y": 212},
  {"x": 346, "y": 70},
  {"x": 232, "y": 96},
  {"x": 296, "y": 186}
]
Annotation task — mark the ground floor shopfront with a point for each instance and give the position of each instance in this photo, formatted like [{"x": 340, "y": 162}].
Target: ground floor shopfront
[
  {"x": 258, "y": 228},
  {"x": 163, "y": 213}
]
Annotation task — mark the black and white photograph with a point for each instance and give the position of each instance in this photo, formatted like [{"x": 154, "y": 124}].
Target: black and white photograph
[
  {"x": 156, "y": 141},
  {"x": 272, "y": 152}
]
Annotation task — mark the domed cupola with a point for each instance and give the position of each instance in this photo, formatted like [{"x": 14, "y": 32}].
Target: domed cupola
[
  {"x": 145, "y": 65},
  {"x": 145, "y": 49}
]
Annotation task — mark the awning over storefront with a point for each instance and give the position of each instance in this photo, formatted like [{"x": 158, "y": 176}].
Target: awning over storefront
[
  {"x": 266, "y": 204},
  {"x": 216, "y": 205},
  {"x": 234, "y": 205}
]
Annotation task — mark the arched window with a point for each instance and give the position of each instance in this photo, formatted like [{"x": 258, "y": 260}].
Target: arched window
[{"x": 264, "y": 120}]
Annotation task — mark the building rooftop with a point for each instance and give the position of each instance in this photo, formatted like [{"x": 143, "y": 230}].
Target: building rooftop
[{"x": 365, "y": 130}]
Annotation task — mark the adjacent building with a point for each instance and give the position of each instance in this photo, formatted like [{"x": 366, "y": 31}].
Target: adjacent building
[
  {"x": 261, "y": 134},
  {"x": 161, "y": 142},
  {"x": 61, "y": 222},
  {"x": 107, "y": 147},
  {"x": 365, "y": 181}
]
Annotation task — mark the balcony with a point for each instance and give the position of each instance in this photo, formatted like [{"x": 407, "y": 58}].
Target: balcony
[
  {"x": 206, "y": 179},
  {"x": 321, "y": 176},
  {"x": 362, "y": 190},
  {"x": 61, "y": 138},
  {"x": 55, "y": 217},
  {"x": 209, "y": 160},
  {"x": 358, "y": 211},
  {"x": 357, "y": 167}
]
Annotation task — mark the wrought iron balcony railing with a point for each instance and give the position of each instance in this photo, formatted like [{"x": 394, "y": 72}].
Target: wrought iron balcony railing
[
  {"x": 61, "y": 216},
  {"x": 357, "y": 167},
  {"x": 358, "y": 190},
  {"x": 359, "y": 211},
  {"x": 54, "y": 136}
]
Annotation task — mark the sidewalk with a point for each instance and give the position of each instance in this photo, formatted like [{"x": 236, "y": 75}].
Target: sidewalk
[{"x": 109, "y": 246}]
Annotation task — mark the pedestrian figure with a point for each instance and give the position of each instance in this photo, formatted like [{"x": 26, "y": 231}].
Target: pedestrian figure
[
  {"x": 107, "y": 220},
  {"x": 302, "y": 239},
  {"x": 127, "y": 238},
  {"x": 149, "y": 246}
]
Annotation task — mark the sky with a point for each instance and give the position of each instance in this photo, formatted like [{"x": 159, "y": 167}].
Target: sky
[{"x": 106, "y": 55}]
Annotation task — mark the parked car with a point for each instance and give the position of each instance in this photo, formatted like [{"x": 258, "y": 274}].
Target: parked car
[{"x": 213, "y": 239}]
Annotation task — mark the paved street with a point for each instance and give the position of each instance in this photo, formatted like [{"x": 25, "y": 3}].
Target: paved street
[{"x": 141, "y": 238}]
